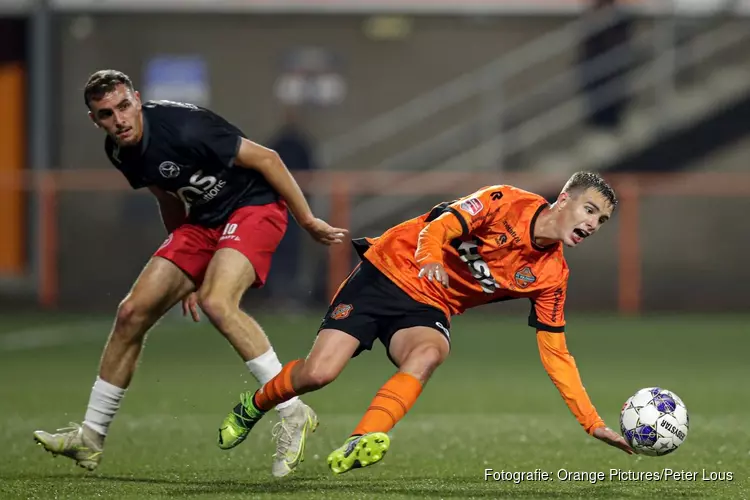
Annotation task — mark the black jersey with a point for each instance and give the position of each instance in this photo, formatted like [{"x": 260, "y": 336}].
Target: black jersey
[{"x": 189, "y": 152}]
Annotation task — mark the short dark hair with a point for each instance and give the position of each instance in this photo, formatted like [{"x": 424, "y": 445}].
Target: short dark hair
[
  {"x": 104, "y": 81},
  {"x": 581, "y": 181}
]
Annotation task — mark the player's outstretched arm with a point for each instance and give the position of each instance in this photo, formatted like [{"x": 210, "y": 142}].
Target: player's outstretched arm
[
  {"x": 561, "y": 368},
  {"x": 269, "y": 163}
]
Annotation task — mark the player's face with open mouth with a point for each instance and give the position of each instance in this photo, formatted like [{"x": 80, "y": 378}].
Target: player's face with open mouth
[
  {"x": 583, "y": 215},
  {"x": 119, "y": 114}
]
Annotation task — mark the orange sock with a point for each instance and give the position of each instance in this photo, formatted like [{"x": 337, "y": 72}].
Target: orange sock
[
  {"x": 390, "y": 405},
  {"x": 277, "y": 390}
]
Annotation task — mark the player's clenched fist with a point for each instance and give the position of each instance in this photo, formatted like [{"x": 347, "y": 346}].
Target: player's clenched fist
[
  {"x": 434, "y": 272},
  {"x": 323, "y": 233}
]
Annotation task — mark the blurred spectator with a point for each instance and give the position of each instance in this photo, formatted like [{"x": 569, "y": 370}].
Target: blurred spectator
[
  {"x": 296, "y": 149},
  {"x": 605, "y": 111}
]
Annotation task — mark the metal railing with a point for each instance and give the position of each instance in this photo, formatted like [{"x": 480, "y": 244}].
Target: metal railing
[
  {"x": 488, "y": 80},
  {"x": 485, "y": 80},
  {"x": 343, "y": 188},
  {"x": 505, "y": 128}
]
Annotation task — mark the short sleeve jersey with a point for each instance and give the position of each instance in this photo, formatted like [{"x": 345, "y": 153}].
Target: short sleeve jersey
[
  {"x": 189, "y": 151},
  {"x": 494, "y": 259}
]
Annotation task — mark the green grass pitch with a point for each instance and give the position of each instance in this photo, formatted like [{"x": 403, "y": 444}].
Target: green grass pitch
[{"x": 491, "y": 406}]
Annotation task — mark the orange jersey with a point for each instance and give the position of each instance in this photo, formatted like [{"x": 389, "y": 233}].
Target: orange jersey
[{"x": 484, "y": 242}]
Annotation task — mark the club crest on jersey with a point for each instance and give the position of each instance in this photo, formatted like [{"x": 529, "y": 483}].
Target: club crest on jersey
[
  {"x": 342, "y": 311},
  {"x": 169, "y": 169},
  {"x": 472, "y": 206},
  {"x": 524, "y": 277}
]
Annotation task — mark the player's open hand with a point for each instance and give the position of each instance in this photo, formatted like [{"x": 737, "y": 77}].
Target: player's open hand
[
  {"x": 434, "y": 272},
  {"x": 190, "y": 305},
  {"x": 325, "y": 234},
  {"x": 613, "y": 439}
]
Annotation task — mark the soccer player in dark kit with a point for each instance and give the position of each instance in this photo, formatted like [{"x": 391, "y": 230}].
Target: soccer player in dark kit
[{"x": 224, "y": 201}]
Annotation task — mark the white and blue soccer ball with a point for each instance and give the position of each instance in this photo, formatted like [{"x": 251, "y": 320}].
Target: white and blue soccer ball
[{"x": 654, "y": 421}]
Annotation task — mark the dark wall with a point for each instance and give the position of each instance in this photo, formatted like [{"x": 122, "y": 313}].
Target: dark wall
[
  {"x": 244, "y": 52},
  {"x": 105, "y": 238}
]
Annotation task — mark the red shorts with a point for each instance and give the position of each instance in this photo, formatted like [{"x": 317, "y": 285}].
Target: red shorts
[{"x": 254, "y": 231}]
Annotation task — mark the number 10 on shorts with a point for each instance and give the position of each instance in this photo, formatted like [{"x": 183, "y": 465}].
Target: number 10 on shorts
[{"x": 228, "y": 233}]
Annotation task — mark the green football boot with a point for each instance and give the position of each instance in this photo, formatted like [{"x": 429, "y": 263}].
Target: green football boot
[
  {"x": 359, "y": 451},
  {"x": 238, "y": 424}
]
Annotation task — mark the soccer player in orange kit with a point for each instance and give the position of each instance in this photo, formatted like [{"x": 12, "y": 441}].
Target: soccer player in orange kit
[{"x": 499, "y": 243}]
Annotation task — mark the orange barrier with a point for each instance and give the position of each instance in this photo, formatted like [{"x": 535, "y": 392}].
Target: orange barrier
[
  {"x": 341, "y": 187},
  {"x": 12, "y": 145}
]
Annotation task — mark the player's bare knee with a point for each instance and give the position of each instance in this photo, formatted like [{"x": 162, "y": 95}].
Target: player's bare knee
[
  {"x": 132, "y": 320},
  {"x": 216, "y": 308},
  {"x": 431, "y": 355},
  {"x": 424, "y": 359},
  {"x": 315, "y": 376}
]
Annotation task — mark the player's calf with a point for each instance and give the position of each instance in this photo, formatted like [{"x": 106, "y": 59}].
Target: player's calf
[{"x": 418, "y": 352}]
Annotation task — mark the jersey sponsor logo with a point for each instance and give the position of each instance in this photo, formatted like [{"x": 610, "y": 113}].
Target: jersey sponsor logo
[
  {"x": 556, "y": 304},
  {"x": 202, "y": 188},
  {"x": 511, "y": 231},
  {"x": 342, "y": 311},
  {"x": 472, "y": 206},
  {"x": 502, "y": 239},
  {"x": 524, "y": 277},
  {"x": 468, "y": 251},
  {"x": 496, "y": 195},
  {"x": 169, "y": 170}
]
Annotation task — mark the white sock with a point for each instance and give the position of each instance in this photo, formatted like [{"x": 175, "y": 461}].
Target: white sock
[
  {"x": 264, "y": 368},
  {"x": 103, "y": 405}
]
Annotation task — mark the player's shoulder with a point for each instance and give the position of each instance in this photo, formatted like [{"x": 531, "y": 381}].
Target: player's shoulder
[
  {"x": 182, "y": 120},
  {"x": 507, "y": 198},
  {"x": 508, "y": 193},
  {"x": 178, "y": 114},
  {"x": 190, "y": 120},
  {"x": 167, "y": 107}
]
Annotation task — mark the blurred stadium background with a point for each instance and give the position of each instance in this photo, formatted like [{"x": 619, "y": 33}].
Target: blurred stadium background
[{"x": 383, "y": 108}]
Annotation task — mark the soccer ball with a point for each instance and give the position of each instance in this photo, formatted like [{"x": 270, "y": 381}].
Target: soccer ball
[{"x": 654, "y": 421}]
